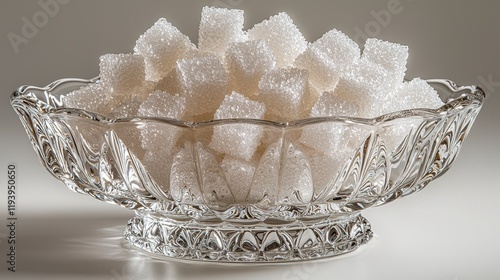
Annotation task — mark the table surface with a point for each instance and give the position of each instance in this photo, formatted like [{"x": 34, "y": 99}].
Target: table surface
[{"x": 449, "y": 231}]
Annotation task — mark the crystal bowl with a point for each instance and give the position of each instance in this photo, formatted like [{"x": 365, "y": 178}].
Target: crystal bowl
[{"x": 289, "y": 202}]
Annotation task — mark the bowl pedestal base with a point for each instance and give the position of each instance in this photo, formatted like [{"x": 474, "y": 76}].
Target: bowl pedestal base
[{"x": 251, "y": 242}]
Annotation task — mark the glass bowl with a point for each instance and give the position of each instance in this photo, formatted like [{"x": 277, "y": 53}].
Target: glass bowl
[{"x": 299, "y": 197}]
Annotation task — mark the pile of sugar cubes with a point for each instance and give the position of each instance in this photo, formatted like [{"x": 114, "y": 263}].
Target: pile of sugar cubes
[{"x": 268, "y": 72}]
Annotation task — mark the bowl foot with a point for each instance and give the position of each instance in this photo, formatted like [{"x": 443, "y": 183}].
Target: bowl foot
[{"x": 236, "y": 243}]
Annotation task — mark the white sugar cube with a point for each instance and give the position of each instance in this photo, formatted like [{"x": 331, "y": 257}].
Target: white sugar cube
[
  {"x": 283, "y": 91},
  {"x": 220, "y": 27},
  {"x": 118, "y": 106},
  {"x": 238, "y": 140},
  {"x": 239, "y": 174},
  {"x": 282, "y": 36},
  {"x": 361, "y": 98},
  {"x": 327, "y": 59},
  {"x": 339, "y": 48},
  {"x": 389, "y": 55},
  {"x": 323, "y": 72},
  {"x": 312, "y": 96},
  {"x": 264, "y": 189},
  {"x": 415, "y": 94},
  {"x": 122, "y": 73},
  {"x": 324, "y": 170},
  {"x": 163, "y": 105},
  {"x": 157, "y": 164},
  {"x": 410, "y": 95},
  {"x": 161, "y": 46},
  {"x": 334, "y": 139},
  {"x": 337, "y": 104},
  {"x": 91, "y": 98},
  {"x": 194, "y": 52},
  {"x": 159, "y": 136},
  {"x": 296, "y": 183},
  {"x": 130, "y": 135},
  {"x": 368, "y": 73},
  {"x": 247, "y": 63},
  {"x": 213, "y": 184},
  {"x": 169, "y": 83},
  {"x": 125, "y": 108},
  {"x": 367, "y": 84},
  {"x": 203, "y": 81},
  {"x": 184, "y": 185},
  {"x": 147, "y": 88},
  {"x": 395, "y": 132}
]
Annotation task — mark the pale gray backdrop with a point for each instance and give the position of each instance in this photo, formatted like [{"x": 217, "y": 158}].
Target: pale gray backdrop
[{"x": 448, "y": 231}]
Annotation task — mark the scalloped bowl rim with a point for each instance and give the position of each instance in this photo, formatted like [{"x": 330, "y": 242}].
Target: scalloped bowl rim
[{"x": 471, "y": 92}]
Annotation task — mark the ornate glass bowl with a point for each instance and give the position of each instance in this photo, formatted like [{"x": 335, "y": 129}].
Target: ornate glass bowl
[{"x": 296, "y": 204}]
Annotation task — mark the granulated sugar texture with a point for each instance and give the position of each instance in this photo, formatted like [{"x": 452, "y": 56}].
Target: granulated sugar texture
[{"x": 268, "y": 72}]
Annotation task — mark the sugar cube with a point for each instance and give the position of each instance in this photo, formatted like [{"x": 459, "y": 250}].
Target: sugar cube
[
  {"x": 164, "y": 105},
  {"x": 157, "y": 163},
  {"x": 91, "y": 98},
  {"x": 247, "y": 63},
  {"x": 130, "y": 135},
  {"x": 341, "y": 50},
  {"x": 199, "y": 118},
  {"x": 122, "y": 73},
  {"x": 159, "y": 136},
  {"x": 327, "y": 58},
  {"x": 389, "y": 55},
  {"x": 146, "y": 89},
  {"x": 239, "y": 174},
  {"x": 334, "y": 139},
  {"x": 311, "y": 97},
  {"x": 414, "y": 94},
  {"x": 90, "y": 133},
  {"x": 220, "y": 27},
  {"x": 195, "y": 52},
  {"x": 161, "y": 46},
  {"x": 335, "y": 103},
  {"x": 125, "y": 108},
  {"x": 184, "y": 186},
  {"x": 213, "y": 184},
  {"x": 324, "y": 170},
  {"x": 296, "y": 183},
  {"x": 203, "y": 81},
  {"x": 118, "y": 101},
  {"x": 235, "y": 139},
  {"x": 283, "y": 91},
  {"x": 368, "y": 73},
  {"x": 394, "y": 132},
  {"x": 282, "y": 36},
  {"x": 366, "y": 83},
  {"x": 264, "y": 189},
  {"x": 323, "y": 72},
  {"x": 169, "y": 83}
]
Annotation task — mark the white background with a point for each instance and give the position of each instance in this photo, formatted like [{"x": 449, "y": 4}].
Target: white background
[{"x": 449, "y": 231}]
